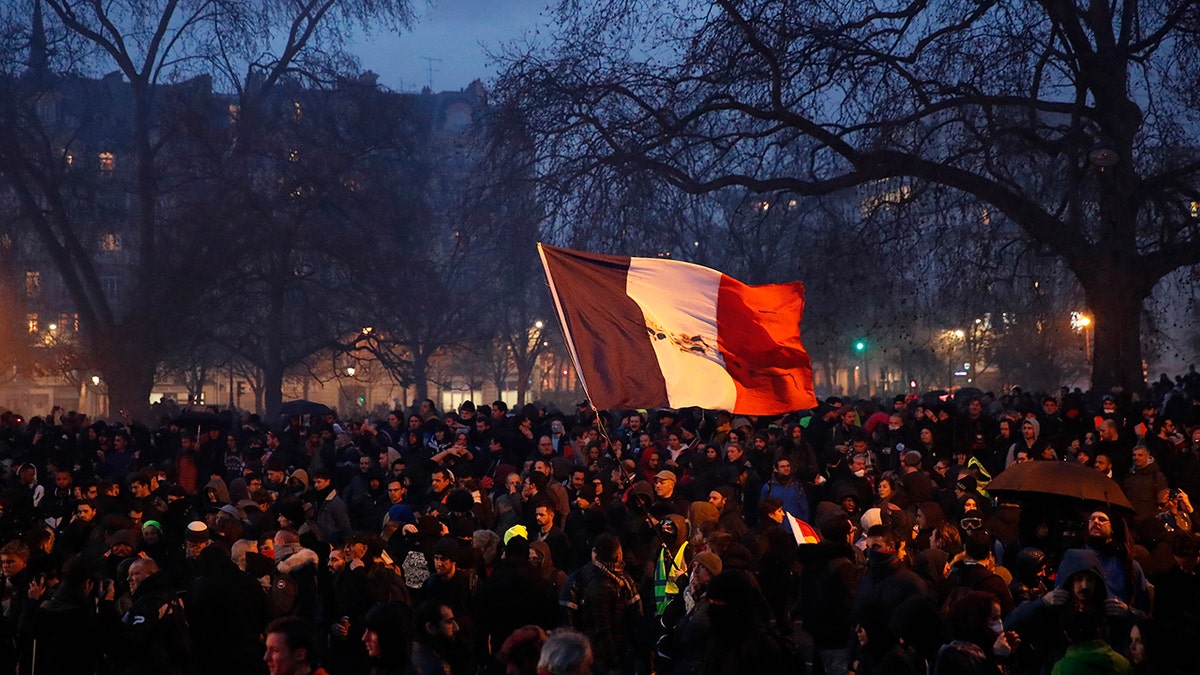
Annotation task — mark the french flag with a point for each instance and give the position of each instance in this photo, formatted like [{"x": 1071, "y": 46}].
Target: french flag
[
  {"x": 654, "y": 333},
  {"x": 802, "y": 531}
]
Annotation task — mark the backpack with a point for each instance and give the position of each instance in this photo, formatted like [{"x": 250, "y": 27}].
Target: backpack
[{"x": 415, "y": 569}]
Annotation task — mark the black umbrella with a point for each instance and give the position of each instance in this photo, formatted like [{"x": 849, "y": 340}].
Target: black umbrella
[
  {"x": 1065, "y": 479},
  {"x": 194, "y": 421},
  {"x": 303, "y": 407},
  {"x": 193, "y": 418}
]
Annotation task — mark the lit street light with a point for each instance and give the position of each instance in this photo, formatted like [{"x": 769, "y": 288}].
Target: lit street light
[{"x": 1082, "y": 323}]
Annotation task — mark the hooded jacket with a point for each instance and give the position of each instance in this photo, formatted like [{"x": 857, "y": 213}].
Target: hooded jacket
[{"x": 1094, "y": 657}]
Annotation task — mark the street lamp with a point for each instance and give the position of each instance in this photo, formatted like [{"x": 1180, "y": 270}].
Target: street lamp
[
  {"x": 1082, "y": 323},
  {"x": 95, "y": 380},
  {"x": 350, "y": 370}
]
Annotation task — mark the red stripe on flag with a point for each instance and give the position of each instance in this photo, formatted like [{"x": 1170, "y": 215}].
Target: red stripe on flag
[{"x": 758, "y": 330}]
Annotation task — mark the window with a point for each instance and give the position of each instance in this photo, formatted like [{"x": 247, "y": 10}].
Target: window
[
  {"x": 112, "y": 286},
  {"x": 68, "y": 322},
  {"x": 110, "y": 242},
  {"x": 235, "y": 111},
  {"x": 108, "y": 163},
  {"x": 33, "y": 283},
  {"x": 32, "y": 321}
]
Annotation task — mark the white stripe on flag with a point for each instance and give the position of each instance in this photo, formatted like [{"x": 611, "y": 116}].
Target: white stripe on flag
[{"x": 680, "y": 299}]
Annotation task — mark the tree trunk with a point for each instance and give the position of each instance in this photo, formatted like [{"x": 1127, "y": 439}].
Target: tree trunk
[
  {"x": 1116, "y": 304},
  {"x": 272, "y": 365},
  {"x": 524, "y": 372},
  {"x": 420, "y": 371},
  {"x": 130, "y": 378},
  {"x": 272, "y": 392}
]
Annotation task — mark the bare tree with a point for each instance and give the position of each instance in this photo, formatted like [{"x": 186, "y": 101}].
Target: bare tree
[
  {"x": 151, "y": 48},
  {"x": 1072, "y": 121}
]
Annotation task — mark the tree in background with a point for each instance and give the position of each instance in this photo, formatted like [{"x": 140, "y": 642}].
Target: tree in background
[
  {"x": 135, "y": 125},
  {"x": 1070, "y": 121}
]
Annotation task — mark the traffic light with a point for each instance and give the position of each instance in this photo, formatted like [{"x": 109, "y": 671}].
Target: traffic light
[{"x": 860, "y": 346}]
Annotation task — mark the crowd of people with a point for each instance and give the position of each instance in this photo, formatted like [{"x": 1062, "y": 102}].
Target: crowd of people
[{"x": 858, "y": 537}]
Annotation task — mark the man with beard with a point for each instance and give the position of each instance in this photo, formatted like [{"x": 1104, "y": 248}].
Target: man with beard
[
  {"x": 436, "y": 648},
  {"x": 1079, "y": 586},
  {"x": 1126, "y": 583},
  {"x": 731, "y": 518},
  {"x": 601, "y": 602},
  {"x": 786, "y": 489}
]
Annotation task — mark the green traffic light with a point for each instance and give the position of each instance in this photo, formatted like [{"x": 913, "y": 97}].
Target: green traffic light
[{"x": 860, "y": 346}]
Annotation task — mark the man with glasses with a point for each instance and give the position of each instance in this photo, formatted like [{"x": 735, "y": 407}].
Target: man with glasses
[
  {"x": 1174, "y": 510},
  {"x": 1123, "y": 576}
]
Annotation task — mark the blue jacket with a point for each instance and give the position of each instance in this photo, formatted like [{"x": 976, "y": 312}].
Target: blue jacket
[{"x": 795, "y": 502}]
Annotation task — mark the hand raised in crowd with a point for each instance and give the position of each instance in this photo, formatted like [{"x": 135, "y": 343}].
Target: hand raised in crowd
[
  {"x": 1056, "y": 597},
  {"x": 1185, "y": 504},
  {"x": 1006, "y": 643},
  {"x": 37, "y": 588},
  {"x": 1114, "y": 607}
]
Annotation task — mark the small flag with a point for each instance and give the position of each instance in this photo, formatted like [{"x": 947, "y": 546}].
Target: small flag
[
  {"x": 802, "y": 531},
  {"x": 654, "y": 333}
]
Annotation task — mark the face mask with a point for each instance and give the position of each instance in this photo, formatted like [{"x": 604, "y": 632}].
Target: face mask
[
  {"x": 879, "y": 557},
  {"x": 860, "y": 473},
  {"x": 997, "y": 627},
  {"x": 894, "y": 427}
]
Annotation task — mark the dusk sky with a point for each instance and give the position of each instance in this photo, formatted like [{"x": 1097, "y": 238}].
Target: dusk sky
[{"x": 458, "y": 32}]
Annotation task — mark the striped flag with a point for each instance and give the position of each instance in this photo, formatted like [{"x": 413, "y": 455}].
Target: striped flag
[
  {"x": 802, "y": 531},
  {"x": 653, "y": 333}
]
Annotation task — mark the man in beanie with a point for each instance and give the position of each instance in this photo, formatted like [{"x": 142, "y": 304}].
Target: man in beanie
[
  {"x": 914, "y": 482},
  {"x": 684, "y": 646},
  {"x": 725, "y": 500},
  {"x": 453, "y": 586},
  {"x": 702, "y": 515},
  {"x": 601, "y": 602},
  {"x": 515, "y": 595}
]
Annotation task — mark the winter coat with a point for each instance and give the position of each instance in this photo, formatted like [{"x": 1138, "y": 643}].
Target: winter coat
[
  {"x": 1092, "y": 658},
  {"x": 333, "y": 519}
]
